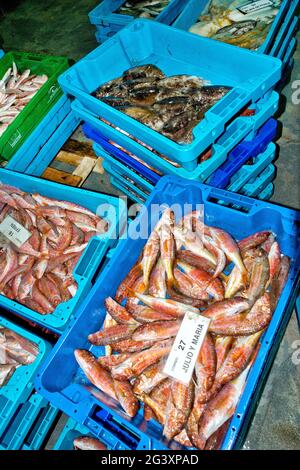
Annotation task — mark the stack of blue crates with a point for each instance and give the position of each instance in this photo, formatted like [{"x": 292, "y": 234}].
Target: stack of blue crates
[
  {"x": 235, "y": 138},
  {"x": 108, "y": 21},
  {"x": 130, "y": 175}
]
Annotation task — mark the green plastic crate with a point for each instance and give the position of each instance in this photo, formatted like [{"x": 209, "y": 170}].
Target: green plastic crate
[{"x": 38, "y": 107}]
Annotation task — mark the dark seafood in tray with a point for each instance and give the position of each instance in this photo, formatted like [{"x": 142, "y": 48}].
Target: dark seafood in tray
[
  {"x": 171, "y": 105},
  {"x": 143, "y": 8},
  {"x": 185, "y": 268}
]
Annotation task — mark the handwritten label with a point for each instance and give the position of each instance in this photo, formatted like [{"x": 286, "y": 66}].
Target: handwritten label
[
  {"x": 182, "y": 358},
  {"x": 254, "y": 6},
  {"x": 13, "y": 231}
]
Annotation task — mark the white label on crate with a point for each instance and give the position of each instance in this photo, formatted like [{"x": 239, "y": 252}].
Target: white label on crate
[
  {"x": 13, "y": 231},
  {"x": 255, "y": 6},
  {"x": 182, "y": 358}
]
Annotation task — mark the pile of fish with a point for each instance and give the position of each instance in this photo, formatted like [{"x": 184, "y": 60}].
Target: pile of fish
[
  {"x": 39, "y": 273},
  {"x": 172, "y": 106},
  {"x": 88, "y": 443},
  {"x": 15, "y": 351},
  {"x": 183, "y": 269},
  {"x": 16, "y": 90},
  {"x": 143, "y": 8},
  {"x": 226, "y": 21}
]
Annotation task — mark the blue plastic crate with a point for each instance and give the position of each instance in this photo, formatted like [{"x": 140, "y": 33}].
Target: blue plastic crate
[
  {"x": 134, "y": 182},
  {"x": 267, "y": 193},
  {"x": 289, "y": 37},
  {"x": 67, "y": 389},
  {"x": 103, "y": 35},
  {"x": 20, "y": 386},
  {"x": 93, "y": 255},
  {"x": 32, "y": 146},
  {"x": 106, "y": 148},
  {"x": 104, "y": 15},
  {"x": 195, "y": 8},
  {"x": 1, "y": 53},
  {"x": 53, "y": 145},
  {"x": 73, "y": 429},
  {"x": 242, "y": 153},
  {"x": 111, "y": 164},
  {"x": 285, "y": 28},
  {"x": 220, "y": 178},
  {"x": 128, "y": 188},
  {"x": 258, "y": 184},
  {"x": 29, "y": 426},
  {"x": 241, "y": 128},
  {"x": 250, "y": 75},
  {"x": 250, "y": 172}
]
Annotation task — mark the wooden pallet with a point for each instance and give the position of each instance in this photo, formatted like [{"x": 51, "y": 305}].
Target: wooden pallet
[{"x": 81, "y": 156}]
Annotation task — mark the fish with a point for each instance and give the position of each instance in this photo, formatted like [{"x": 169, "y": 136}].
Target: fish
[
  {"x": 112, "y": 334},
  {"x": 143, "y": 314},
  {"x": 151, "y": 253},
  {"x": 274, "y": 258},
  {"x": 88, "y": 443},
  {"x": 166, "y": 306},
  {"x": 167, "y": 246},
  {"x": 157, "y": 283},
  {"x": 225, "y": 242},
  {"x": 254, "y": 240},
  {"x": 245, "y": 324},
  {"x": 259, "y": 276},
  {"x": 139, "y": 361},
  {"x": 178, "y": 408},
  {"x": 126, "y": 397},
  {"x": 238, "y": 357},
  {"x": 118, "y": 313},
  {"x": 150, "y": 378},
  {"x": 6, "y": 371},
  {"x": 220, "y": 408},
  {"x": 205, "y": 368},
  {"x": 206, "y": 282},
  {"x": 96, "y": 374},
  {"x": 156, "y": 331}
]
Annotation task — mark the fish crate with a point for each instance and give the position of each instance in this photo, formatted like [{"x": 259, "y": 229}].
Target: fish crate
[
  {"x": 29, "y": 151},
  {"x": 2, "y": 53},
  {"x": 61, "y": 148},
  {"x": 30, "y": 426},
  {"x": 130, "y": 189},
  {"x": 267, "y": 193},
  {"x": 105, "y": 17},
  {"x": 102, "y": 34},
  {"x": 288, "y": 39},
  {"x": 248, "y": 172},
  {"x": 275, "y": 36},
  {"x": 251, "y": 77},
  {"x": 70, "y": 391},
  {"x": 258, "y": 184},
  {"x": 20, "y": 386},
  {"x": 93, "y": 257},
  {"x": 286, "y": 28},
  {"x": 22, "y": 126},
  {"x": 220, "y": 178},
  {"x": 111, "y": 434},
  {"x": 243, "y": 127}
]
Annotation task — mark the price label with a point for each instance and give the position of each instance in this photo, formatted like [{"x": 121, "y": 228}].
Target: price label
[
  {"x": 13, "y": 232},
  {"x": 255, "y": 5},
  {"x": 182, "y": 358}
]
